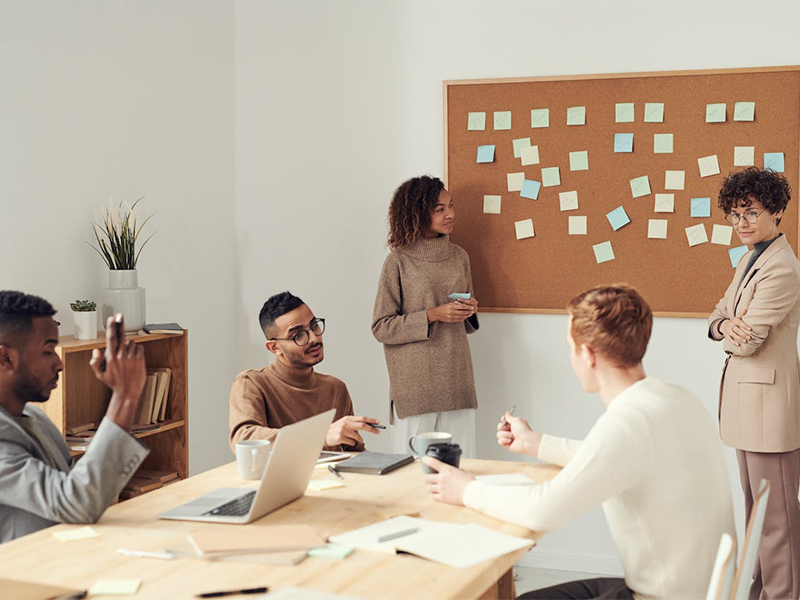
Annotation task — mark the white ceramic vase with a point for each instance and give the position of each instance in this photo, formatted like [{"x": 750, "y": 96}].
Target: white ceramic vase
[
  {"x": 85, "y": 325},
  {"x": 124, "y": 295}
]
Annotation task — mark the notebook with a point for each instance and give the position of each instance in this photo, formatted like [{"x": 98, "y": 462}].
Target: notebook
[{"x": 374, "y": 463}]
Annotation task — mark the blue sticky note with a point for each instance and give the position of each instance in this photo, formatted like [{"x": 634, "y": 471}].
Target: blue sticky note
[
  {"x": 618, "y": 218},
  {"x": 773, "y": 161},
  {"x": 623, "y": 142},
  {"x": 701, "y": 207},
  {"x": 530, "y": 189},
  {"x": 485, "y": 154},
  {"x": 736, "y": 254}
]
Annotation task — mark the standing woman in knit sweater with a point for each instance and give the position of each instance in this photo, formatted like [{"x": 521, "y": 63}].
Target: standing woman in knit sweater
[{"x": 423, "y": 332}]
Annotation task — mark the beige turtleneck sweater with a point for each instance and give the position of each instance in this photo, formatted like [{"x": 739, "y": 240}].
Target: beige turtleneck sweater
[
  {"x": 430, "y": 367},
  {"x": 264, "y": 400}
]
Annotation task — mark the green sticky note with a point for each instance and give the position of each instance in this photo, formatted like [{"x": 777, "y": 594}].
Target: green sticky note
[
  {"x": 519, "y": 144},
  {"x": 115, "y": 587},
  {"x": 662, "y": 143},
  {"x": 624, "y": 112},
  {"x": 640, "y": 186},
  {"x": 579, "y": 161},
  {"x": 576, "y": 115},
  {"x": 540, "y": 117},
  {"x": 603, "y": 252},
  {"x": 333, "y": 551},
  {"x": 744, "y": 111},
  {"x": 476, "y": 121},
  {"x": 715, "y": 113},
  {"x": 502, "y": 120},
  {"x": 654, "y": 112},
  {"x": 551, "y": 176}
]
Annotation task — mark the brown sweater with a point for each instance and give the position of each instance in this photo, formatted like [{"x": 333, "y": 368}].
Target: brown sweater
[
  {"x": 430, "y": 367},
  {"x": 262, "y": 401}
]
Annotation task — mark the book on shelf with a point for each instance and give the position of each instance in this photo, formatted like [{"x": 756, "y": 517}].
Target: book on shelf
[
  {"x": 156, "y": 475},
  {"x": 172, "y": 328},
  {"x": 162, "y": 392},
  {"x": 141, "y": 485},
  {"x": 80, "y": 428},
  {"x": 146, "y": 399}
]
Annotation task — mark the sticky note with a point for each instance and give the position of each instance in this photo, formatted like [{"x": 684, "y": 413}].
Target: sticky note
[
  {"x": 709, "y": 165},
  {"x": 744, "y": 111},
  {"x": 324, "y": 484},
  {"x": 502, "y": 120},
  {"x": 640, "y": 186},
  {"x": 715, "y": 113},
  {"x": 332, "y": 551},
  {"x": 654, "y": 112},
  {"x": 603, "y": 252},
  {"x": 579, "y": 161},
  {"x": 721, "y": 234},
  {"x": 515, "y": 181},
  {"x": 623, "y": 142},
  {"x": 662, "y": 143},
  {"x": 577, "y": 225},
  {"x": 524, "y": 229},
  {"x": 81, "y": 533},
  {"x": 568, "y": 200},
  {"x": 519, "y": 145},
  {"x": 665, "y": 203},
  {"x": 529, "y": 156},
  {"x": 774, "y": 161},
  {"x": 530, "y": 189},
  {"x": 540, "y": 117},
  {"x": 576, "y": 115},
  {"x": 674, "y": 180},
  {"x": 476, "y": 121},
  {"x": 624, "y": 112},
  {"x": 491, "y": 205},
  {"x": 701, "y": 207},
  {"x": 551, "y": 176},
  {"x": 485, "y": 154},
  {"x": 115, "y": 587},
  {"x": 744, "y": 156},
  {"x": 696, "y": 234},
  {"x": 657, "y": 229},
  {"x": 618, "y": 218},
  {"x": 736, "y": 254}
]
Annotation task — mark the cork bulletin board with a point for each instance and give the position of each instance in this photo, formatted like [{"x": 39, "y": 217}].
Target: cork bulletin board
[{"x": 540, "y": 273}]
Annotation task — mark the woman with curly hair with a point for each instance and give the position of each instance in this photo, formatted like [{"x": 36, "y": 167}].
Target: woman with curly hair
[
  {"x": 759, "y": 411},
  {"x": 423, "y": 332}
]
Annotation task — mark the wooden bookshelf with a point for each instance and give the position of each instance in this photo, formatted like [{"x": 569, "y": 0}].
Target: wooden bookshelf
[{"x": 80, "y": 398}]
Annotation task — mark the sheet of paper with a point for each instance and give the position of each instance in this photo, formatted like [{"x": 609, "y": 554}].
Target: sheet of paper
[
  {"x": 662, "y": 143},
  {"x": 540, "y": 118},
  {"x": 774, "y": 161},
  {"x": 524, "y": 229},
  {"x": 502, "y": 120},
  {"x": 618, "y": 218},
  {"x": 529, "y": 156},
  {"x": 506, "y": 479},
  {"x": 568, "y": 200},
  {"x": 665, "y": 203},
  {"x": 515, "y": 181},
  {"x": 674, "y": 180},
  {"x": 624, "y": 112},
  {"x": 696, "y": 234},
  {"x": 603, "y": 252},
  {"x": 715, "y": 113},
  {"x": 736, "y": 254},
  {"x": 485, "y": 154},
  {"x": 115, "y": 587},
  {"x": 81, "y": 533},
  {"x": 519, "y": 144},
  {"x": 701, "y": 207},
  {"x": 576, "y": 115},
  {"x": 623, "y": 142},
  {"x": 654, "y": 112},
  {"x": 368, "y": 536},
  {"x": 321, "y": 485},
  {"x": 744, "y": 111},
  {"x": 657, "y": 229},
  {"x": 709, "y": 165},
  {"x": 551, "y": 176},
  {"x": 530, "y": 189},
  {"x": 296, "y": 593},
  {"x": 476, "y": 121},
  {"x": 721, "y": 234},
  {"x": 491, "y": 205},
  {"x": 579, "y": 161},
  {"x": 640, "y": 186},
  {"x": 577, "y": 225},
  {"x": 744, "y": 156}
]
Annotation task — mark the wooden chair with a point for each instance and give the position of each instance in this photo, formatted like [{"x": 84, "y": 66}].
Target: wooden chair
[
  {"x": 752, "y": 537},
  {"x": 721, "y": 584}
]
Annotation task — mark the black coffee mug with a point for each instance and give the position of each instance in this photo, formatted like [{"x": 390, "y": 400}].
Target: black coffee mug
[{"x": 447, "y": 453}]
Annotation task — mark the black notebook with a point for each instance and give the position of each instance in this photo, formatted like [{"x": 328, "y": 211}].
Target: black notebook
[{"x": 374, "y": 463}]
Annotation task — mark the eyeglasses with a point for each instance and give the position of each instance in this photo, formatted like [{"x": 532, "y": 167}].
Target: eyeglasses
[
  {"x": 750, "y": 216},
  {"x": 301, "y": 337}
]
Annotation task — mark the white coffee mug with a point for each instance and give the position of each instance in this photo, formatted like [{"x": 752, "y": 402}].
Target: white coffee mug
[
  {"x": 418, "y": 444},
  {"x": 251, "y": 458}
]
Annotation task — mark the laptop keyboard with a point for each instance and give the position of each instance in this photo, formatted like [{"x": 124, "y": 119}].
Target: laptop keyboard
[{"x": 238, "y": 507}]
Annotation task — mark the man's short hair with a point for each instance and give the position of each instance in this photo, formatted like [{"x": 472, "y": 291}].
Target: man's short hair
[
  {"x": 277, "y": 305},
  {"x": 614, "y": 320},
  {"x": 17, "y": 311}
]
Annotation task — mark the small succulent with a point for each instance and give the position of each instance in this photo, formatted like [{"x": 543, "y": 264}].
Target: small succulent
[{"x": 83, "y": 306}]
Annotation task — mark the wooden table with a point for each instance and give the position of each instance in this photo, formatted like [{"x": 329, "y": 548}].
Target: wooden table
[{"x": 365, "y": 499}]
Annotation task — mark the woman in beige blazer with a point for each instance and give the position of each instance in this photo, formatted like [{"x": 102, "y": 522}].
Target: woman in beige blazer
[{"x": 759, "y": 410}]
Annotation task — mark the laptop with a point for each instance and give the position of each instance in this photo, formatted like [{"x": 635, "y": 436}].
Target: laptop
[{"x": 290, "y": 465}]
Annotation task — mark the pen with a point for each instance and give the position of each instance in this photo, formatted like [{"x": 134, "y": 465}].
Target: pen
[
  {"x": 258, "y": 590},
  {"x": 333, "y": 470},
  {"x": 377, "y": 425},
  {"x": 510, "y": 410},
  {"x": 144, "y": 554},
  {"x": 397, "y": 534}
]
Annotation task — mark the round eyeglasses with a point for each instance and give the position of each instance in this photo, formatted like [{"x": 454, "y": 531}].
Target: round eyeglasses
[
  {"x": 301, "y": 337},
  {"x": 750, "y": 216}
]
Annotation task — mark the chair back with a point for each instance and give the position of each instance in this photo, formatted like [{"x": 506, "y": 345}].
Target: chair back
[
  {"x": 721, "y": 584},
  {"x": 752, "y": 537}
]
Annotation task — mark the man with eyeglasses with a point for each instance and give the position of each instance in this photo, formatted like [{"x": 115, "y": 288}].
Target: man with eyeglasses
[{"x": 289, "y": 390}]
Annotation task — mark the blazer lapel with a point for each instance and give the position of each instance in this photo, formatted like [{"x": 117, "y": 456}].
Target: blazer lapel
[{"x": 773, "y": 249}]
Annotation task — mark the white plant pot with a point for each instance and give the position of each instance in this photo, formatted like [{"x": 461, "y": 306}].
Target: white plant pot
[
  {"x": 123, "y": 295},
  {"x": 85, "y": 325}
]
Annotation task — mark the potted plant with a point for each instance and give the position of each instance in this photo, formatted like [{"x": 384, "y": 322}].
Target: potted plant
[
  {"x": 117, "y": 235},
  {"x": 84, "y": 313}
]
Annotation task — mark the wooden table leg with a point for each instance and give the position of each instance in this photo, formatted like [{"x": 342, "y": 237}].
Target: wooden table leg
[{"x": 504, "y": 589}]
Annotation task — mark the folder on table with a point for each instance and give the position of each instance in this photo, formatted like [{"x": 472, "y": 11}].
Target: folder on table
[{"x": 374, "y": 463}]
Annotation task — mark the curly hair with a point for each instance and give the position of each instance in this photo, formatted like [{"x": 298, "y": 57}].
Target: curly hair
[
  {"x": 274, "y": 307},
  {"x": 768, "y": 187},
  {"x": 17, "y": 310},
  {"x": 615, "y": 320},
  {"x": 411, "y": 208}
]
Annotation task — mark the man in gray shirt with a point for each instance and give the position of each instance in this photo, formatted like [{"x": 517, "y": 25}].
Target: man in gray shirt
[{"x": 40, "y": 484}]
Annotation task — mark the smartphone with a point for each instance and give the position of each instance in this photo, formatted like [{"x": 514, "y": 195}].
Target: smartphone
[{"x": 118, "y": 333}]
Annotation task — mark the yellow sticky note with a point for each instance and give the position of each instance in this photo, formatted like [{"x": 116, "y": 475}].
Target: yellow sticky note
[
  {"x": 744, "y": 111},
  {"x": 579, "y": 161},
  {"x": 81, "y": 533},
  {"x": 515, "y": 181},
  {"x": 324, "y": 484},
  {"x": 502, "y": 120},
  {"x": 696, "y": 234},
  {"x": 524, "y": 229},
  {"x": 529, "y": 156},
  {"x": 603, "y": 252},
  {"x": 551, "y": 176},
  {"x": 665, "y": 203},
  {"x": 568, "y": 200},
  {"x": 662, "y": 143},
  {"x": 744, "y": 156},
  {"x": 715, "y": 113},
  {"x": 721, "y": 234},
  {"x": 657, "y": 229},
  {"x": 674, "y": 180},
  {"x": 577, "y": 225},
  {"x": 654, "y": 112},
  {"x": 576, "y": 115},
  {"x": 519, "y": 144},
  {"x": 640, "y": 186},
  {"x": 624, "y": 112},
  {"x": 491, "y": 205},
  {"x": 709, "y": 165},
  {"x": 476, "y": 121},
  {"x": 115, "y": 587},
  {"x": 540, "y": 118}
]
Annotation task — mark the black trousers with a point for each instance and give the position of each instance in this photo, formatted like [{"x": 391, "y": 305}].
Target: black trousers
[{"x": 602, "y": 588}]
